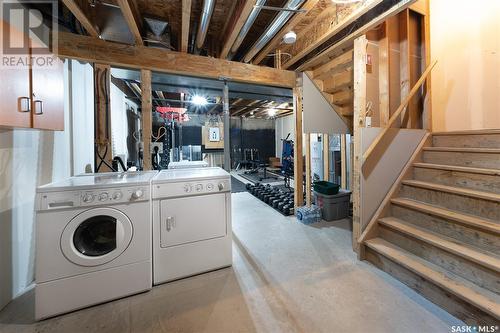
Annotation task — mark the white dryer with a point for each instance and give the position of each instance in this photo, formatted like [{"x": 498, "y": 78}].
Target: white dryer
[
  {"x": 93, "y": 241},
  {"x": 191, "y": 222}
]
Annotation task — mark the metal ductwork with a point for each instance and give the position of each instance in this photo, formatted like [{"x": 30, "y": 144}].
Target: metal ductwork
[
  {"x": 248, "y": 24},
  {"x": 206, "y": 15},
  {"x": 273, "y": 29}
]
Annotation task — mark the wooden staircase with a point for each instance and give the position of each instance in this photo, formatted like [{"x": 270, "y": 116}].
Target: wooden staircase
[
  {"x": 438, "y": 230},
  {"x": 335, "y": 81}
]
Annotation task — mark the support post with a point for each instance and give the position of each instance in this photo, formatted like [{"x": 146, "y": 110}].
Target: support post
[
  {"x": 326, "y": 157},
  {"x": 384, "y": 76},
  {"x": 343, "y": 161},
  {"x": 102, "y": 133},
  {"x": 227, "y": 124},
  {"x": 147, "y": 113},
  {"x": 360, "y": 54},
  {"x": 298, "y": 166},
  {"x": 308, "y": 169}
]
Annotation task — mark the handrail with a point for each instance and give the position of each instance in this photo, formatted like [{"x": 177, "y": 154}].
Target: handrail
[{"x": 400, "y": 109}]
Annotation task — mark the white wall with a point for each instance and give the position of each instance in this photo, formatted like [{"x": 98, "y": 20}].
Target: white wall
[
  {"x": 29, "y": 158},
  {"x": 465, "y": 40},
  {"x": 283, "y": 126}
]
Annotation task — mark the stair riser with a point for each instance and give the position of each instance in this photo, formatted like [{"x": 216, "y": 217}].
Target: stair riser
[
  {"x": 454, "y": 305},
  {"x": 449, "y": 228},
  {"x": 479, "y": 182},
  {"x": 467, "y": 269},
  {"x": 476, "y": 160},
  {"x": 468, "y": 205},
  {"x": 467, "y": 141}
]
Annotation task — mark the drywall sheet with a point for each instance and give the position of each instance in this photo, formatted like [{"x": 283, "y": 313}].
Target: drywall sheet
[
  {"x": 318, "y": 114},
  {"x": 377, "y": 181}
]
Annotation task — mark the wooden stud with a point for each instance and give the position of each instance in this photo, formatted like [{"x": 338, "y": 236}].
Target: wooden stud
[
  {"x": 427, "y": 112},
  {"x": 133, "y": 18},
  {"x": 81, "y": 16},
  {"x": 404, "y": 71},
  {"x": 360, "y": 54},
  {"x": 102, "y": 81},
  {"x": 147, "y": 114},
  {"x": 384, "y": 76},
  {"x": 326, "y": 157},
  {"x": 142, "y": 57},
  {"x": 343, "y": 161},
  {"x": 298, "y": 161},
  {"x": 246, "y": 9},
  {"x": 289, "y": 26},
  {"x": 308, "y": 168},
  {"x": 186, "y": 18},
  {"x": 336, "y": 65}
]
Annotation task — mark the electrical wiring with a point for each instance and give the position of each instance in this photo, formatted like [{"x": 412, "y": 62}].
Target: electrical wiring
[{"x": 158, "y": 135}]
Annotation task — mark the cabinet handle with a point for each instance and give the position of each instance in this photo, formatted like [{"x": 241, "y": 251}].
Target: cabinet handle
[
  {"x": 23, "y": 104},
  {"x": 40, "y": 103}
]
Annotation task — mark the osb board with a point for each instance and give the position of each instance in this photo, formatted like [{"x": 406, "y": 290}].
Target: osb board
[{"x": 320, "y": 7}]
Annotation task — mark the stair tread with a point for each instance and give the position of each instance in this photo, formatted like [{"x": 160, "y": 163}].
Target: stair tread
[
  {"x": 468, "y": 132},
  {"x": 453, "y": 189},
  {"x": 483, "y": 171},
  {"x": 444, "y": 243},
  {"x": 483, "y": 299},
  {"x": 464, "y": 150},
  {"x": 469, "y": 220}
]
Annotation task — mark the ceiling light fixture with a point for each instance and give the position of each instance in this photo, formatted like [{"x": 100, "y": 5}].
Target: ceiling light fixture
[
  {"x": 290, "y": 37},
  {"x": 271, "y": 112},
  {"x": 199, "y": 100}
]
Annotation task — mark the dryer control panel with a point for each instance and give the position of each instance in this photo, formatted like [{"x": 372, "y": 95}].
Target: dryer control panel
[
  {"x": 182, "y": 189},
  {"x": 97, "y": 197}
]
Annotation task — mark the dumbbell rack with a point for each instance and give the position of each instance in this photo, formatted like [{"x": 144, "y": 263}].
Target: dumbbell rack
[{"x": 282, "y": 201}]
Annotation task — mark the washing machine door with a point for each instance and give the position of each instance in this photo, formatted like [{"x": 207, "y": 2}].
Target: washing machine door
[{"x": 96, "y": 236}]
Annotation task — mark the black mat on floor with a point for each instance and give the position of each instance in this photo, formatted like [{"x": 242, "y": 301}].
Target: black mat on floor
[
  {"x": 237, "y": 186},
  {"x": 255, "y": 177}
]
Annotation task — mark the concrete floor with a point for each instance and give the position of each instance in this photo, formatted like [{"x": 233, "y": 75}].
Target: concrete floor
[{"x": 286, "y": 277}]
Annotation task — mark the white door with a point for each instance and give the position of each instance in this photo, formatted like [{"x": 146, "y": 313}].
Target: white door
[{"x": 192, "y": 219}]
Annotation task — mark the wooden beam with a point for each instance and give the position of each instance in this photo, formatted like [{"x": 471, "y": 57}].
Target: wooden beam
[
  {"x": 334, "y": 66},
  {"x": 360, "y": 45},
  {"x": 289, "y": 26},
  {"x": 326, "y": 157},
  {"x": 142, "y": 57},
  {"x": 347, "y": 41},
  {"x": 298, "y": 161},
  {"x": 103, "y": 147},
  {"x": 80, "y": 15},
  {"x": 308, "y": 168},
  {"x": 324, "y": 27},
  {"x": 133, "y": 18},
  {"x": 404, "y": 63},
  {"x": 186, "y": 18},
  {"x": 147, "y": 115},
  {"x": 245, "y": 11}
]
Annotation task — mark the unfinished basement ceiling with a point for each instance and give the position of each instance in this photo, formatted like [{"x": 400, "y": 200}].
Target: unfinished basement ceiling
[{"x": 245, "y": 100}]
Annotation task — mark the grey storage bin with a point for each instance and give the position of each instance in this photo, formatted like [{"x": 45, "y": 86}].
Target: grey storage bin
[{"x": 333, "y": 207}]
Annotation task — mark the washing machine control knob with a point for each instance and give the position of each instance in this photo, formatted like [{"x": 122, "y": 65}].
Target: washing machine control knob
[
  {"x": 221, "y": 186},
  {"x": 199, "y": 188},
  {"x": 187, "y": 188},
  {"x": 117, "y": 195},
  {"x": 88, "y": 198},
  {"x": 103, "y": 196},
  {"x": 137, "y": 194}
]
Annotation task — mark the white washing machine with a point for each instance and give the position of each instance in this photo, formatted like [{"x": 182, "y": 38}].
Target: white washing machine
[
  {"x": 187, "y": 164},
  {"x": 93, "y": 241},
  {"x": 191, "y": 222}
]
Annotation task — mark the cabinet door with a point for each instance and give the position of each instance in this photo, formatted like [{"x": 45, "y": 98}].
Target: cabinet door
[
  {"x": 48, "y": 96},
  {"x": 14, "y": 86}
]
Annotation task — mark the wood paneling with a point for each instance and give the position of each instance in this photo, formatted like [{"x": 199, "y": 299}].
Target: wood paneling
[{"x": 95, "y": 50}]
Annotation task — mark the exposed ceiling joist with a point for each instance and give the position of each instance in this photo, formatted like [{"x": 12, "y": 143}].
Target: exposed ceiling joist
[
  {"x": 142, "y": 57},
  {"x": 289, "y": 26},
  {"x": 186, "y": 18},
  {"x": 325, "y": 27},
  {"x": 246, "y": 9},
  {"x": 133, "y": 18},
  {"x": 82, "y": 17}
]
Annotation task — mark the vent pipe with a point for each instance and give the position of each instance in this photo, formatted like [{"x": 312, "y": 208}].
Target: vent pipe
[
  {"x": 206, "y": 15},
  {"x": 248, "y": 24},
  {"x": 273, "y": 29}
]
